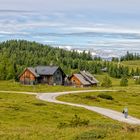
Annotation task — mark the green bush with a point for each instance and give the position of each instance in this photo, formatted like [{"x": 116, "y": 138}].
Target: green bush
[
  {"x": 92, "y": 135},
  {"x": 77, "y": 121},
  {"x": 106, "y": 82},
  {"x": 124, "y": 82},
  {"x": 105, "y": 96},
  {"x": 74, "y": 122},
  {"x": 39, "y": 104},
  {"x": 62, "y": 125},
  {"x": 130, "y": 128},
  {"x": 91, "y": 97}
]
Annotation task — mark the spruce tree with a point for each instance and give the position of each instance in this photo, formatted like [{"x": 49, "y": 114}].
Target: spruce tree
[
  {"x": 106, "y": 82},
  {"x": 124, "y": 81}
]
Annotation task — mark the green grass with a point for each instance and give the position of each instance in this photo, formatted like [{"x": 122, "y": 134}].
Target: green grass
[
  {"x": 120, "y": 100},
  {"x": 132, "y": 64},
  {"x": 26, "y": 118},
  {"x": 126, "y": 96},
  {"x": 23, "y": 117},
  {"x": 16, "y": 86}
]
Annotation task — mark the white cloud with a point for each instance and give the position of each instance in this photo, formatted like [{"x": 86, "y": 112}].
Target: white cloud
[
  {"x": 60, "y": 21},
  {"x": 69, "y": 5},
  {"x": 104, "y": 29}
]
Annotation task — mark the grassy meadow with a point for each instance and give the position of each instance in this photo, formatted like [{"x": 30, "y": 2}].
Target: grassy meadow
[
  {"x": 132, "y": 64},
  {"x": 23, "y": 117},
  {"x": 16, "y": 86},
  {"x": 119, "y": 100}
]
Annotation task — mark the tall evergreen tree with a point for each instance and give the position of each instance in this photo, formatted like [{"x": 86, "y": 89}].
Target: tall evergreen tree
[
  {"x": 106, "y": 82},
  {"x": 124, "y": 81}
]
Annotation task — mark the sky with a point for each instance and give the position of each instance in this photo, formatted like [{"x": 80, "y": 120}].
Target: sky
[{"x": 103, "y": 26}]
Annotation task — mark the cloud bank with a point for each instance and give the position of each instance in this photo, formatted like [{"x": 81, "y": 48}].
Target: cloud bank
[{"x": 93, "y": 24}]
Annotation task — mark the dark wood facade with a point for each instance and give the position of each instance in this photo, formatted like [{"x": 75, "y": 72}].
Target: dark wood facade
[{"x": 28, "y": 77}]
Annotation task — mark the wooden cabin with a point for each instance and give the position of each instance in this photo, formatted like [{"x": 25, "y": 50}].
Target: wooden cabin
[
  {"x": 83, "y": 79},
  {"x": 51, "y": 75}
]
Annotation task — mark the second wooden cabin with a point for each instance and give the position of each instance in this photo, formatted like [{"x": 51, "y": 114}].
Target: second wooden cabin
[{"x": 83, "y": 79}]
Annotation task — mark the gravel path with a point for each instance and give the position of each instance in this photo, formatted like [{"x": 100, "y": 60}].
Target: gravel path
[{"x": 51, "y": 97}]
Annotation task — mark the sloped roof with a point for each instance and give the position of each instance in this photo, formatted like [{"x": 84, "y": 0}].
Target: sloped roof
[
  {"x": 81, "y": 79},
  {"x": 33, "y": 71},
  {"x": 89, "y": 77},
  {"x": 86, "y": 78},
  {"x": 46, "y": 70},
  {"x": 42, "y": 70}
]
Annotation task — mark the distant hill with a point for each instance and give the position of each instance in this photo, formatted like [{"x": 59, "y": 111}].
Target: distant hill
[{"x": 15, "y": 55}]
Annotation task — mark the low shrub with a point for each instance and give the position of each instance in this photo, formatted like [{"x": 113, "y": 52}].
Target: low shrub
[
  {"x": 91, "y": 97},
  {"x": 130, "y": 128},
  {"x": 105, "y": 96},
  {"x": 74, "y": 122},
  {"x": 39, "y": 104},
  {"x": 106, "y": 82},
  {"x": 62, "y": 125},
  {"x": 95, "y": 98},
  {"x": 16, "y": 108},
  {"x": 77, "y": 121},
  {"x": 124, "y": 82},
  {"x": 92, "y": 135}
]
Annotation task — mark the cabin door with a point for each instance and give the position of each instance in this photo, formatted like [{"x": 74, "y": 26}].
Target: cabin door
[{"x": 27, "y": 81}]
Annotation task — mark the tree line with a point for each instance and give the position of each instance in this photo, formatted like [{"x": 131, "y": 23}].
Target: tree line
[
  {"x": 130, "y": 56},
  {"x": 15, "y": 55}
]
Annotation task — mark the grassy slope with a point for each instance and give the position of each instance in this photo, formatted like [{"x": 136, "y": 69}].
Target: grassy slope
[
  {"x": 23, "y": 117},
  {"x": 15, "y": 86},
  {"x": 121, "y": 99},
  {"x": 132, "y": 64}
]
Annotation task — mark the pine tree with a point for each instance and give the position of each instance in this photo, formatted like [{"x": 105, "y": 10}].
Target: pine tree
[
  {"x": 106, "y": 82},
  {"x": 124, "y": 81},
  {"x": 132, "y": 72}
]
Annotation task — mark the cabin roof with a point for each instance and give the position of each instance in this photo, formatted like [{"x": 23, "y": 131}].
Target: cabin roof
[
  {"x": 43, "y": 70},
  {"x": 33, "y": 71},
  {"x": 46, "y": 70},
  {"x": 81, "y": 79},
  {"x": 86, "y": 78}
]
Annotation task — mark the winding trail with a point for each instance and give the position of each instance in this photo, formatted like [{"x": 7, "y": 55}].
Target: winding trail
[{"x": 51, "y": 97}]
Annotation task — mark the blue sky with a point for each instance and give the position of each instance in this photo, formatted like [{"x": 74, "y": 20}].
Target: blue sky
[{"x": 94, "y": 24}]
